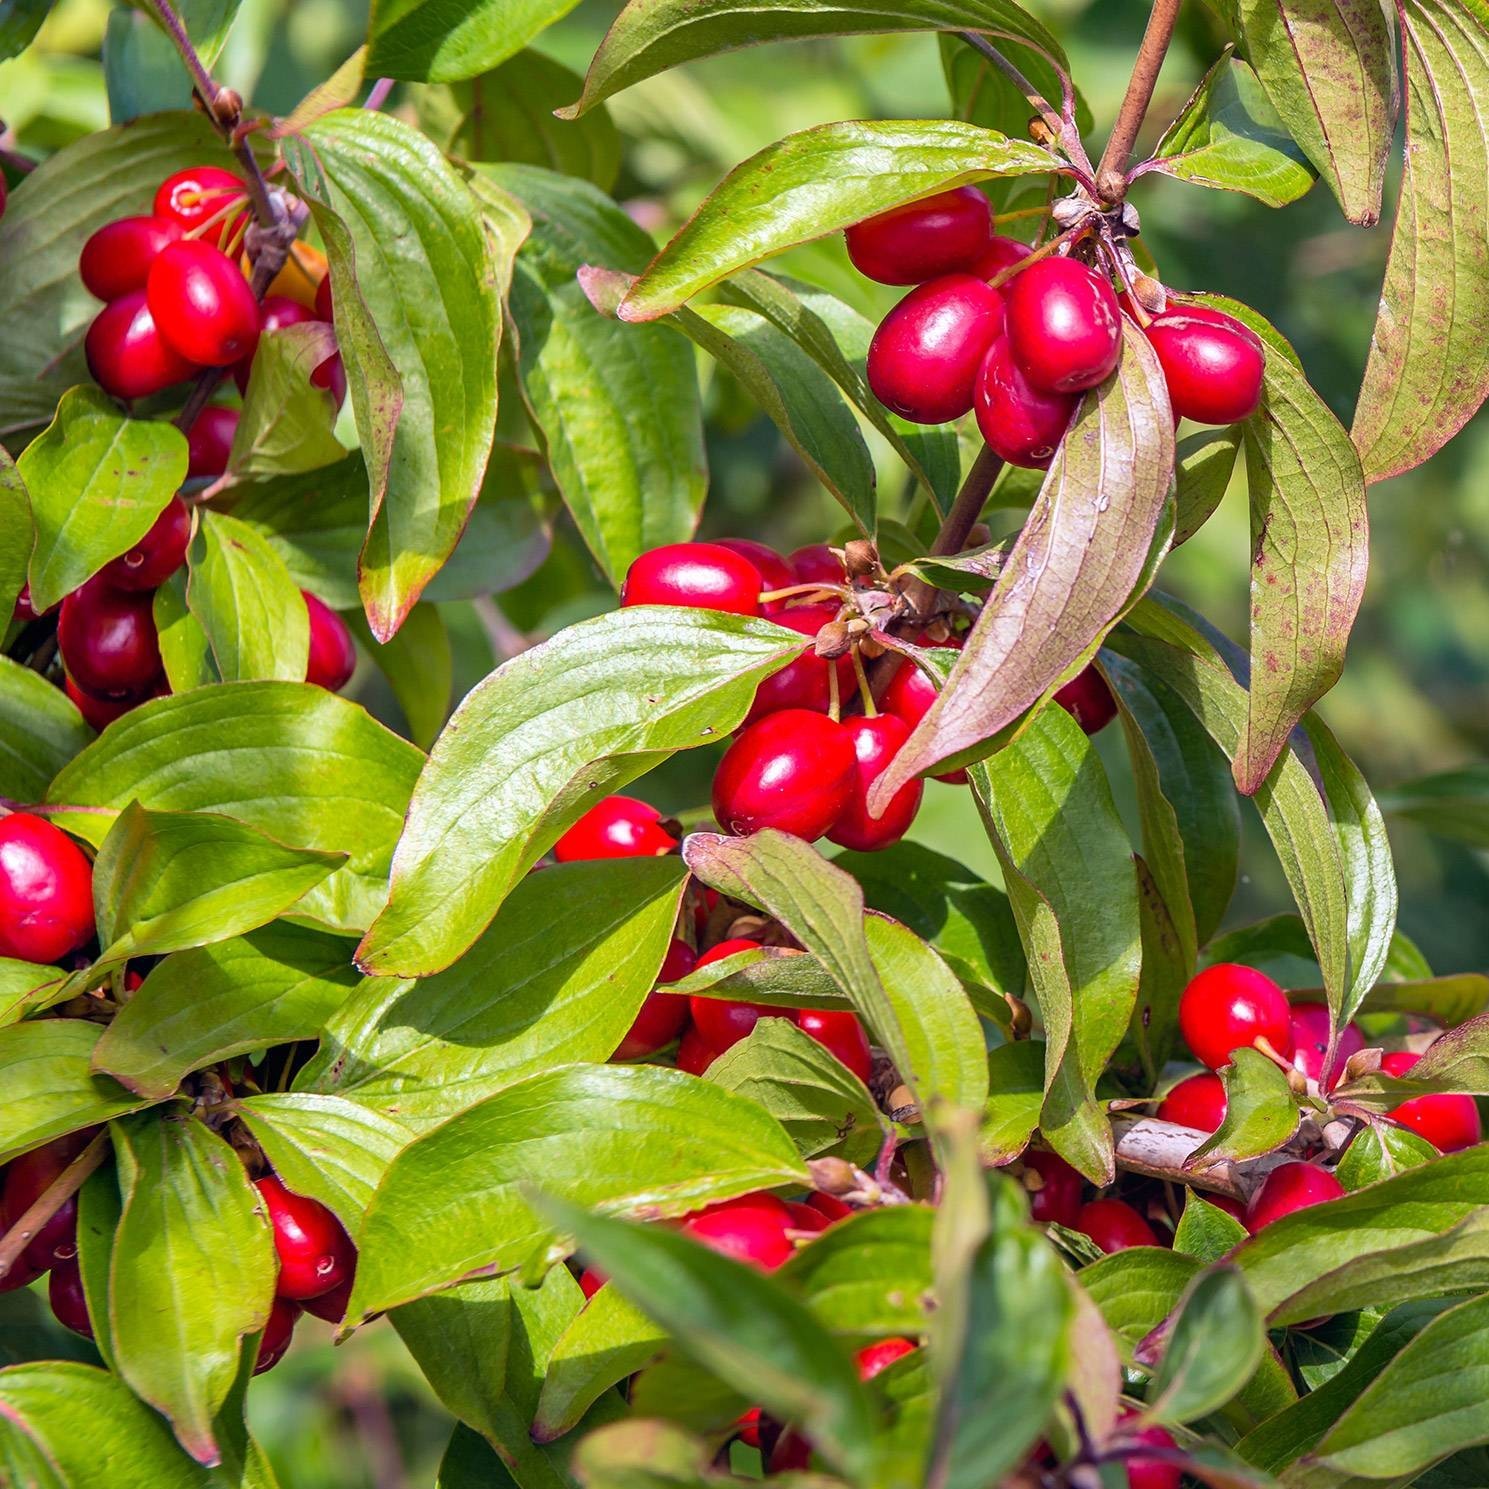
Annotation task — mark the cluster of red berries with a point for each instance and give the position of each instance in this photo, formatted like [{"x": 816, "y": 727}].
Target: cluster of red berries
[
  {"x": 994, "y": 326},
  {"x": 176, "y": 297}
]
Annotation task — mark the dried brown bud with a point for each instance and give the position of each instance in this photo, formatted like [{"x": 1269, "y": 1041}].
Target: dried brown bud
[
  {"x": 228, "y": 106},
  {"x": 1150, "y": 294},
  {"x": 860, "y": 558},
  {"x": 833, "y": 640},
  {"x": 1040, "y": 132},
  {"x": 1021, "y": 1019},
  {"x": 979, "y": 535},
  {"x": 833, "y": 1175}
]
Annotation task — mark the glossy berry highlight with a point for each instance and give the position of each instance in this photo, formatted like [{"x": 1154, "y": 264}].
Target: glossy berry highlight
[
  {"x": 202, "y": 304},
  {"x": 1114, "y": 1225},
  {"x": 46, "y": 890},
  {"x": 116, "y": 259},
  {"x": 1287, "y": 1189},
  {"x": 875, "y": 742},
  {"x": 794, "y": 770},
  {"x": 1229, "y": 1007},
  {"x": 332, "y": 657},
  {"x": 1450, "y": 1122},
  {"x": 922, "y": 240},
  {"x": 616, "y": 827},
  {"x": 158, "y": 554},
  {"x": 315, "y": 1253},
  {"x": 1198, "y": 1101},
  {"x": 1022, "y": 424},
  {"x": 1064, "y": 327},
  {"x": 698, "y": 576},
  {"x": 1213, "y": 365},
  {"x": 127, "y": 355}
]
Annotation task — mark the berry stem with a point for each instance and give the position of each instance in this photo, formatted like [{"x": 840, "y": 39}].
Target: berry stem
[
  {"x": 1111, "y": 174},
  {"x": 865, "y": 692},
  {"x": 50, "y": 1200},
  {"x": 1044, "y": 250},
  {"x": 770, "y": 596}
]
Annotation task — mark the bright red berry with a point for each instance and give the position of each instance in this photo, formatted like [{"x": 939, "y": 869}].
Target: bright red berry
[
  {"x": 202, "y": 304},
  {"x": 1022, "y": 424},
  {"x": 274, "y": 312},
  {"x": 1229, "y": 1007},
  {"x": 1448, "y": 1122},
  {"x": 722, "y": 1022},
  {"x": 695, "y": 1054},
  {"x": 1211, "y": 362},
  {"x": 1198, "y": 1101},
  {"x": 1152, "y": 1473},
  {"x": 662, "y": 1015},
  {"x": 1292, "y": 1186},
  {"x": 828, "y": 1205},
  {"x": 877, "y": 1357},
  {"x": 725, "y": 949},
  {"x": 108, "y": 640},
  {"x": 591, "y": 1281},
  {"x": 876, "y": 742},
  {"x": 937, "y": 235},
  {"x": 804, "y": 683},
  {"x": 794, "y": 770},
  {"x": 1310, "y": 1025},
  {"x": 159, "y": 553},
  {"x": 840, "y": 1033},
  {"x": 924, "y": 358},
  {"x": 126, "y": 353},
  {"x": 774, "y": 571},
  {"x": 331, "y": 1306},
  {"x": 910, "y": 695},
  {"x": 1114, "y": 1225},
  {"x": 1064, "y": 327},
  {"x": 98, "y": 712},
  {"x": 816, "y": 563},
  {"x": 751, "y": 1229},
  {"x": 323, "y": 299},
  {"x": 192, "y": 198},
  {"x": 1088, "y": 700},
  {"x": 1000, "y": 254},
  {"x": 278, "y": 1332},
  {"x": 332, "y": 657},
  {"x": 698, "y": 576},
  {"x": 315, "y": 1253},
  {"x": 117, "y": 258},
  {"x": 1057, "y": 1198},
  {"x": 65, "y": 1294},
  {"x": 46, "y": 890},
  {"x": 616, "y": 827}
]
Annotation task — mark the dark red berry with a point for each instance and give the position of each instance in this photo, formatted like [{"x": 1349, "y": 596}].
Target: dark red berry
[
  {"x": 331, "y": 376},
  {"x": 46, "y": 890},
  {"x": 98, "y": 712},
  {"x": 794, "y": 770},
  {"x": 841, "y": 1034},
  {"x": 876, "y": 742},
  {"x": 1310, "y": 1025},
  {"x": 816, "y": 563},
  {"x": 1114, "y": 1225},
  {"x": 275, "y": 312},
  {"x": 160, "y": 552},
  {"x": 804, "y": 683},
  {"x": 1211, "y": 362},
  {"x": 117, "y": 258},
  {"x": 331, "y": 1306},
  {"x": 202, "y": 304},
  {"x": 323, "y": 299},
  {"x": 695, "y": 1054},
  {"x": 700, "y": 576},
  {"x": 65, "y": 1294},
  {"x": 805, "y": 1218},
  {"x": 27, "y": 1179},
  {"x": 829, "y": 1205},
  {"x": 1064, "y": 327},
  {"x": 1448, "y": 1122},
  {"x": 315, "y": 1253},
  {"x": 1229, "y": 1007},
  {"x": 1056, "y": 1199},
  {"x": 937, "y": 235},
  {"x": 616, "y": 827},
  {"x": 108, "y": 641},
  {"x": 1151, "y": 1473},
  {"x": 1293, "y": 1186},
  {"x": 205, "y": 193},
  {"x": 332, "y": 657},
  {"x": 23, "y": 609},
  {"x": 278, "y": 1332},
  {"x": 1000, "y": 254},
  {"x": 774, "y": 571},
  {"x": 1198, "y": 1101},
  {"x": 209, "y": 441},
  {"x": 1088, "y": 700},
  {"x": 924, "y": 358},
  {"x": 751, "y": 1229},
  {"x": 126, "y": 353},
  {"x": 1021, "y": 424},
  {"x": 662, "y": 1016}
]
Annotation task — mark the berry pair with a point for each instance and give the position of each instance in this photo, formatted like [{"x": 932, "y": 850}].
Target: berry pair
[
  {"x": 1057, "y": 1197},
  {"x": 54, "y": 1247}
]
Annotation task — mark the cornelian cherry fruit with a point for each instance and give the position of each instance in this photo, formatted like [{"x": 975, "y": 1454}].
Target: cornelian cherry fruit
[
  {"x": 1450, "y": 1122},
  {"x": 876, "y": 742},
  {"x": 1290, "y": 1187},
  {"x": 107, "y": 639},
  {"x": 202, "y": 303},
  {"x": 695, "y": 1054},
  {"x": 127, "y": 355},
  {"x": 209, "y": 441},
  {"x": 1212, "y": 363},
  {"x": 323, "y": 299},
  {"x": 1088, "y": 700},
  {"x": 794, "y": 770},
  {"x": 278, "y": 1332},
  {"x": 99, "y": 712},
  {"x": 937, "y": 235},
  {"x": 1151, "y": 1473},
  {"x": 616, "y": 827},
  {"x": 315, "y": 1253},
  {"x": 332, "y": 657},
  {"x": 1310, "y": 1025},
  {"x": 331, "y": 1306},
  {"x": 116, "y": 259},
  {"x": 840, "y": 1033},
  {"x": 1198, "y": 1101},
  {"x": 1000, "y": 254},
  {"x": 27, "y": 1179},
  {"x": 829, "y": 1205},
  {"x": 879, "y": 1356},
  {"x": 1229, "y": 1007},
  {"x": 910, "y": 695},
  {"x": 1064, "y": 327},
  {"x": 924, "y": 358},
  {"x": 1022, "y": 424},
  {"x": 806, "y": 682},
  {"x": 65, "y": 1294},
  {"x": 774, "y": 571},
  {"x": 1114, "y": 1225},
  {"x": 1057, "y": 1199},
  {"x": 194, "y": 197},
  {"x": 275, "y": 312},
  {"x": 816, "y": 563},
  {"x": 661, "y": 1016},
  {"x": 46, "y": 890},
  {"x": 699, "y": 576},
  {"x": 751, "y": 1229},
  {"x": 159, "y": 553}
]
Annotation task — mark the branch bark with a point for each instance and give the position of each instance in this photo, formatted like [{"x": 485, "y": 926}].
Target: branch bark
[{"x": 1111, "y": 174}]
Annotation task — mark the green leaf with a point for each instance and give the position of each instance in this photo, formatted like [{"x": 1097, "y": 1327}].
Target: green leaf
[
  {"x": 142, "y": 70},
  {"x": 272, "y": 986},
  {"x": 1445, "y": 1000},
  {"x": 630, "y": 483},
  {"x": 1261, "y": 1112},
  {"x": 1079, "y": 562},
  {"x": 285, "y": 426},
  {"x": 1428, "y": 368},
  {"x": 419, "y": 665},
  {"x": 97, "y": 481},
  {"x": 1203, "y": 469},
  {"x": 905, "y": 993},
  {"x": 650, "y": 1453},
  {"x": 1229, "y": 136},
  {"x": 869, "y": 1274},
  {"x": 809, "y": 1091},
  {"x": 248, "y": 607},
  {"x": 650, "y": 36},
  {"x": 1015, "y": 1098},
  {"x": 17, "y": 529},
  {"x": 1205, "y": 1231},
  {"x": 419, "y": 332},
  {"x": 434, "y": 41},
  {"x": 542, "y": 739},
  {"x": 301, "y": 764},
  {"x": 192, "y": 1275},
  {"x": 22, "y": 985},
  {"x": 1380, "y": 1151},
  {"x": 50, "y": 1086},
  {"x": 557, "y": 977},
  {"x": 185, "y": 651},
  {"x": 20, "y": 20},
  {"x": 40, "y": 731},
  {"x": 633, "y": 1138},
  {"x": 1215, "y": 1347},
  {"x": 742, "y": 1326},
  {"x": 811, "y": 184},
  {"x": 780, "y": 976},
  {"x": 1452, "y": 804}
]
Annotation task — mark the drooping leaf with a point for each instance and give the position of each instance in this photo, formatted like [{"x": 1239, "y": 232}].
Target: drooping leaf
[
  {"x": 1261, "y": 1112},
  {"x": 1214, "y": 1348},
  {"x": 23, "y": 984},
  {"x": 17, "y": 529},
  {"x": 1015, "y": 1099},
  {"x": 432, "y": 41},
  {"x": 40, "y": 731}
]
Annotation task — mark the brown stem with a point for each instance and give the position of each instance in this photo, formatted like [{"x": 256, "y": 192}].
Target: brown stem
[
  {"x": 1159, "y": 1150},
  {"x": 1111, "y": 174},
  {"x": 50, "y": 1200},
  {"x": 200, "y": 396}
]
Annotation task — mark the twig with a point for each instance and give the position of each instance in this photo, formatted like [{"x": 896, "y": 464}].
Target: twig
[
  {"x": 1158, "y": 1150},
  {"x": 378, "y": 94},
  {"x": 1111, "y": 174},
  {"x": 50, "y": 1200}
]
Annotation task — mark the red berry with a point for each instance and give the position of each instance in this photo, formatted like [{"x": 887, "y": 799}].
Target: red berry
[
  {"x": 331, "y": 1306},
  {"x": 701, "y": 576},
  {"x": 937, "y": 235},
  {"x": 1114, "y": 1225},
  {"x": 1152, "y": 1473},
  {"x": 331, "y": 375},
  {"x": 315, "y": 1253},
  {"x": 23, "y": 608},
  {"x": 209, "y": 441},
  {"x": 1064, "y": 327},
  {"x": 332, "y": 657},
  {"x": 910, "y": 695},
  {"x": 1228, "y": 1007},
  {"x": 278, "y": 1332},
  {"x": 26, "y": 1180},
  {"x": 323, "y": 299},
  {"x": 924, "y": 358},
  {"x": 117, "y": 258},
  {"x": 46, "y": 890},
  {"x": 695, "y": 1054},
  {"x": 1198, "y": 1101},
  {"x": 721, "y": 1022},
  {"x": 874, "y": 1358},
  {"x": 616, "y": 827},
  {"x": 1293, "y": 1186},
  {"x": 126, "y": 353},
  {"x": 108, "y": 641},
  {"x": 876, "y": 742},
  {"x": 803, "y": 683},
  {"x": 816, "y": 563},
  {"x": 839, "y": 1033},
  {"x": 774, "y": 571},
  {"x": 591, "y": 1281},
  {"x": 829, "y": 1205},
  {"x": 1310, "y": 1025},
  {"x": 202, "y": 304},
  {"x": 1000, "y": 254},
  {"x": 731, "y": 947},
  {"x": 662, "y": 1015},
  {"x": 1021, "y": 424},
  {"x": 1088, "y": 700},
  {"x": 161, "y": 551},
  {"x": 751, "y": 1229},
  {"x": 791, "y": 1454},
  {"x": 1448, "y": 1122},
  {"x": 65, "y": 1294},
  {"x": 794, "y": 770},
  {"x": 805, "y": 1218},
  {"x": 98, "y": 712},
  {"x": 274, "y": 312},
  {"x": 1211, "y": 362},
  {"x": 194, "y": 197},
  {"x": 1057, "y": 1201}
]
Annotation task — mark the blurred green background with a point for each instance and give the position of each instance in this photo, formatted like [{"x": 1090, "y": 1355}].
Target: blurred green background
[{"x": 1414, "y": 696}]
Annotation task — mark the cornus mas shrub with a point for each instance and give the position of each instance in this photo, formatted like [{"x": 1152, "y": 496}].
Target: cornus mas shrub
[{"x": 759, "y": 1140}]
